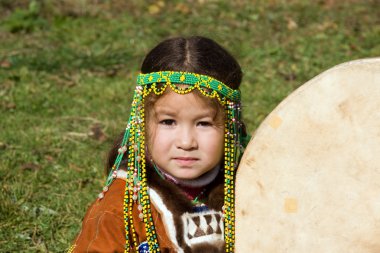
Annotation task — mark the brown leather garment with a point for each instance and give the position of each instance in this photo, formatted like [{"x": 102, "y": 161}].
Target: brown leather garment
[{"x": 103, "y": 225}]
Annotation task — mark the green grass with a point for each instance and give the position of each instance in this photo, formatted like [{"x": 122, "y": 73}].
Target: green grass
[{"x": 69, "y": 68}]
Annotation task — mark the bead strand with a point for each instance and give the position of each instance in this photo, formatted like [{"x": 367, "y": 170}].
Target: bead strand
[
  {"x": 133, "y": 145},
  {"x": 189, "y": 79},
  {"x": 229, "y": 220}
]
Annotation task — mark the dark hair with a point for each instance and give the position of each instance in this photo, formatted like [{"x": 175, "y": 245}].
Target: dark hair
[{"x": 194, "y": 54}]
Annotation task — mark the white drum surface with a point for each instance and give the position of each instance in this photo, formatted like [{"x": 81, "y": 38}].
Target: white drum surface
[{"x": 309, "y": 181}]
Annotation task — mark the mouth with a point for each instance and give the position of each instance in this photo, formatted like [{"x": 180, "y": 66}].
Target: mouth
[{"x": 185, "y": 161}]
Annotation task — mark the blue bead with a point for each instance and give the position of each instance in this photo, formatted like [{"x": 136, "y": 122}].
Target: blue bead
[
  {"x": 199, "y": 209},
  {"x": 143, "y": 247}
]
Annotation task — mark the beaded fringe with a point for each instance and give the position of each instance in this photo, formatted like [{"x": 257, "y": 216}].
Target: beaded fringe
[{"x": 133, "y": 146}]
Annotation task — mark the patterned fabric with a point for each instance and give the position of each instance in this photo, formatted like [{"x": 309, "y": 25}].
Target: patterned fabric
[{"x": 202, "y": 227}]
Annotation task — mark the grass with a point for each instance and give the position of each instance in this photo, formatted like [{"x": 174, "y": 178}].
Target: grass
[{"x": 67, "y": 73}]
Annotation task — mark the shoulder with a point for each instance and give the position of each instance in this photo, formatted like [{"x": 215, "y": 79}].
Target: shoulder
[
  {"x": 103, "y": 225},
  {"x": 110, "y": 202}
]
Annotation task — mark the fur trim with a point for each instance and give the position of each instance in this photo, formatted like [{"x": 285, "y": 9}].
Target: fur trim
[
  {"x": 122, "y": 174},
  {"x": 167, "y": 218}
]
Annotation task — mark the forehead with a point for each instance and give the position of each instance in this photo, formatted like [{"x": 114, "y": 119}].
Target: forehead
[{"x": 192, "y": 101}]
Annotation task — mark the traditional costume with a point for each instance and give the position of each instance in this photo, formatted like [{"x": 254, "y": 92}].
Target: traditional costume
[{"x": 144, "y": 209}]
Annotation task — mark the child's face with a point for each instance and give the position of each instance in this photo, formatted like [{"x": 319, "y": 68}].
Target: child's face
[{"x": 186, "y": 136}]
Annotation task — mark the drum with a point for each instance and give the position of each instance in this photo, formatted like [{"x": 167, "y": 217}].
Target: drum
[{"x": 309, "y": 180}]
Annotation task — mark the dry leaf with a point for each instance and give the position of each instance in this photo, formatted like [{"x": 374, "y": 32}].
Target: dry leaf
[
  {"x": 3, "y": 145},
  {"x": 292, "y": 25},
  {"x": 75, "y": 167},
  {"x": 9, "y": 106},
  {"x": 183, "y": 8},
  {"x": 161, "y": 4},
  {"x": 5, "y": 64},
  {"x": 153, "y": 9},
  {"x": 49, "y": 158},
  {"x": 30, "y": 166},
  {"x": 97, "y": 132}
]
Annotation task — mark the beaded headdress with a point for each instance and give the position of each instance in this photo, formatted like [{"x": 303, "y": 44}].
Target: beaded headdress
[{"x": 133, "y": 147}]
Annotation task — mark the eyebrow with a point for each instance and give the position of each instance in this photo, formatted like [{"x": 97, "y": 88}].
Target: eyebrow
[{"x": 164, "y": 110}]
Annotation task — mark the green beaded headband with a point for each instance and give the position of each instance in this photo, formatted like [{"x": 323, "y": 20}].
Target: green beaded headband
[
  {"x": 191, "y": 79},
  {"x": 133, "y": 147}
]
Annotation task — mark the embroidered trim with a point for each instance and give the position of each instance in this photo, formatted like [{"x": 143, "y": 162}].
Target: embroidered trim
[{"x": 203, "y": 227}]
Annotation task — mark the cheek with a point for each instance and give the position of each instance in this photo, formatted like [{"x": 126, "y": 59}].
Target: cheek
[
  {"x": 151, "y": 136},
  {"x": 215, "y": 144},
  {"x": 221, "y": 140},
  {"x": 221, "y": 145},
  {"x": 158, "y": 142}
]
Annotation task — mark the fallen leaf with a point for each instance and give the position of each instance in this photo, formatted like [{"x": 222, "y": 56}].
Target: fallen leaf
[
  {"x": 153, "y": 9},
  {"x": 97, "y": 132},
  {"x": 5, "y": 64},
  {"x": 30, "y": 166},
  {"x": 327, "y": 25},
  {"x": 63, "y": 81},
  {"x": 84, "y": 182},
  {"x": 353, "y": 47},
  {"x": 49, "y": 158},
  {"x": 10, "y": 106},
  {"x": 111, "y": 72},
  {"x": 183, "y": 8},
  {"x": 75, "y": 167},
  {"x": 292, "y": 25},
  {"x": 3, "y": 145}
]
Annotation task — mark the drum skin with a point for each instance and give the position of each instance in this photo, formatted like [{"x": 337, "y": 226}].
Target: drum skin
[{"x": 309, "y": 180}]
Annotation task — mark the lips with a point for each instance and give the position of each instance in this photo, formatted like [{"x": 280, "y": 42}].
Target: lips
[{"x": 185, "y": 161}]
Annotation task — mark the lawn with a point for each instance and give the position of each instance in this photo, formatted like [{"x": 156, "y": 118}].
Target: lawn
[{"x": 68, "y": 69}]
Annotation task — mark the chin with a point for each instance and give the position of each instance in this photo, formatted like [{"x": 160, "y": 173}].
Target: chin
[{"x": 187, "y": 177}]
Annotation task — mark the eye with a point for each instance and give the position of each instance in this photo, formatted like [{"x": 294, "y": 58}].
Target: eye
[
  {"x": 167, "y": 122},
  {"x": 204, "y": 123}
]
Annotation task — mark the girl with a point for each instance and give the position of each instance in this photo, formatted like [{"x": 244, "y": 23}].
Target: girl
[{"x": 171, "y": 175}]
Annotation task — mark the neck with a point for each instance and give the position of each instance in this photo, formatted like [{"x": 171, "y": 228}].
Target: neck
[
  {"x": 199, "y": 182},
  {"x": 192, "y": 188}
]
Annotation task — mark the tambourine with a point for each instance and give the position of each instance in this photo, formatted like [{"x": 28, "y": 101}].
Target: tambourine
[{"x": 309, "y": 180}]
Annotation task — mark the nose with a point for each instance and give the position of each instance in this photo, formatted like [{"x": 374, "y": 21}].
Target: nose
[{"x": 186, "y": 138}]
